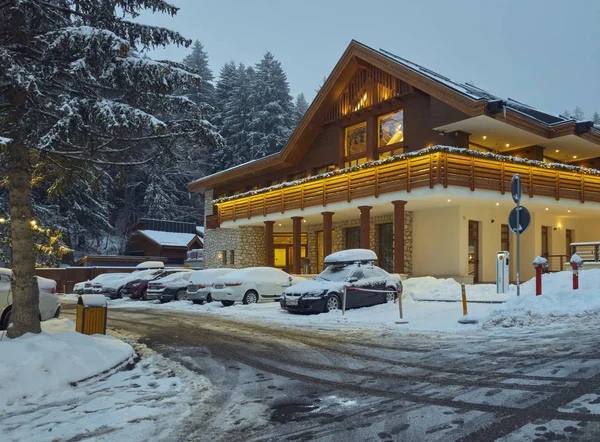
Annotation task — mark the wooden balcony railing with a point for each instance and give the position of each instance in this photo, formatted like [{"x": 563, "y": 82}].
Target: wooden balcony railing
[{"x": 427, "y": 170}]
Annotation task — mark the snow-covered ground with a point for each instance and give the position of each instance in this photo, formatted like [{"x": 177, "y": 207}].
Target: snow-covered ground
[
  {"x": 46, "y": 392},
  {"x": 559, "y": 303}
]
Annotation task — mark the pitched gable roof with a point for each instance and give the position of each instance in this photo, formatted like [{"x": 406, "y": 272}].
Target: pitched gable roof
[{"x": 470, "y": 99}]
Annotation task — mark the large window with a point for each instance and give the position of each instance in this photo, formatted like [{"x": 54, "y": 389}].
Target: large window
[
  {"x": 353, "y": 238},
  {"x": 355, "y": 146},
  {"x": 391, "y": 134}
]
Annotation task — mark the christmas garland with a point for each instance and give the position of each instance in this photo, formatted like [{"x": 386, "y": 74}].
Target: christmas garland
[{"x": 417, "y": 153}]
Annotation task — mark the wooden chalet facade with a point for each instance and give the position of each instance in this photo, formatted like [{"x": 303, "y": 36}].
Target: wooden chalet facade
[{"x": 394, "y": 157}]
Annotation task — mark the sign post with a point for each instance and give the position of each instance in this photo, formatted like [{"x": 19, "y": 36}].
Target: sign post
[{"x": 518, "y": 222}]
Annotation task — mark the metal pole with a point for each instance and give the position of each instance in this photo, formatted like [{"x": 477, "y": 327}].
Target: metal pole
[
  {"x": 518, "y": 250},
  {"x": 463, "y": 293},
  {"x": 400, "y": 305},
  {"x": 344, "y": 301}
]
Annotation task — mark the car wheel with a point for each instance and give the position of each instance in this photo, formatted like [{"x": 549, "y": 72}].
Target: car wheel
[
  {"x": 227, "y": 303},
  {"x": 251, "y": 297},
  {"x": 5, "y": 320},
  {"x": 209, "y": 298},
  {"x": 197, "y": 301},
  {"x": 390, "y": 294},
  {"x": 332, "y": 303},
  {"x": 181, "y": 295}
]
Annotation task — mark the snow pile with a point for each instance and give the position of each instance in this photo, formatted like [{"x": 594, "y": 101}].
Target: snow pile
[
  {"x": 558, "y": 302},
  {"x": 430, "y": 288},
  {"x": 34, "y": 366}
]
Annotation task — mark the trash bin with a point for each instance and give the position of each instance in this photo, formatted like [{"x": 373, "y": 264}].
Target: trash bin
[{"x": 91, "y": 314}]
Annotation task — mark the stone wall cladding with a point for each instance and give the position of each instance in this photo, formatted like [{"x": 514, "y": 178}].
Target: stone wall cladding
[
  {"x": 218, "y": 240},
  {"x": 247, "y": 242},
  {"x": 339, "y": 236}
]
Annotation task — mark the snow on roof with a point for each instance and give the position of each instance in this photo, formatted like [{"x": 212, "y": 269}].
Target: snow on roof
[
  {"x": 171, "y": 239},
  {"x": 350, "y": 255},
  {"x": 150, "y": 265},
  {"x": 4, "y": 141},
  {"x": 236, "y": 167}
]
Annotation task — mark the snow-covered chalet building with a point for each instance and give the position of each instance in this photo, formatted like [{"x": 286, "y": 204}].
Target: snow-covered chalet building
[{"x": 399, "y": 159}]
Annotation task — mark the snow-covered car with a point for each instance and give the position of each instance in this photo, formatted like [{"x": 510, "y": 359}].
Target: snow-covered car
[
  {"x": 95, "y": 285},
  {"x": 172, "y": 287},
  {"x": 250, "y": 285},
  {"x": 113, "y": 287},
  {"x": 49, "y": 305},
  {"x": 137, "y": 288},
  {"x": 365, "y": 284},
  {"x": 79, "y": 287},
  {"x": 198, "y": 290}
]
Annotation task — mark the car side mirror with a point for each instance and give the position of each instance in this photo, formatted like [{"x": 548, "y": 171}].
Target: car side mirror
[{"x": 353, "y": 279}]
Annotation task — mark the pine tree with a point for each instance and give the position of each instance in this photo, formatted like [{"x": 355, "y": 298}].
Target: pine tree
[
  {"x": 596, "y": 118},
  {"x": 205, "y": 92},
  {"x": 76, "y": 93},
  {"x": 223, "y": 93},
  {"x": 578, "y": 113},
  {"x": 300, "y": 108},
  {"x": 272, "y": 106}
]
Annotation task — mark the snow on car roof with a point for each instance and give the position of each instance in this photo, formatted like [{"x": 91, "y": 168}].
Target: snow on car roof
[
  {"x": 254, "y": 273},
  {"x": 207, "y": 275},
  {"x": 176, "y": 277},
  {"x": 150, "y": 265},
  {"x": 351, "y": 255}
]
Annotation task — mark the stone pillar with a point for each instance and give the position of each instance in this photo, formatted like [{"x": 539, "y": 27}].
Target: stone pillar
[
  {"x": 327, "y": 234},
  {"x": 297, "y": 238},
  {"x": 269, "y": 243},
  {"x": 365, "y": 227},
  {"x": 399, "y": 236}
]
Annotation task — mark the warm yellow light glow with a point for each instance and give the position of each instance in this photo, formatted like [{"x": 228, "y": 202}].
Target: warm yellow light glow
[
  {"x": 497, "y": 204},
  {"x": 557, "y": 150},
  {"x": 303, "y": 220},
  {"x": 484, "y": 137},
  {"x": 33, "y": 222},
  {"x": 574, "y": 156},
  {"x": 569, "y": 210},
  {"x": 280, "y": 225},
  {"x": 2, "y": 220},
  {"x": 449, "y": 200},
  {"x": 507, "y": 145},
  {"x": 559, "y": 225},
  {"x": 547, "y": 208}
]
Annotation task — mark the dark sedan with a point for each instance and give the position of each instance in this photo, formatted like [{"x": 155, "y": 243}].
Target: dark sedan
[{"x": 365, "y": 285}]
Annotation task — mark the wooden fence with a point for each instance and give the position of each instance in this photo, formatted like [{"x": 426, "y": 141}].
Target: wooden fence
[{"x": 440, "y": 168}]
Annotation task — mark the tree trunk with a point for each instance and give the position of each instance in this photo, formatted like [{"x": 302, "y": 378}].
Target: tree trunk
[{"x": 25, "y": 316}]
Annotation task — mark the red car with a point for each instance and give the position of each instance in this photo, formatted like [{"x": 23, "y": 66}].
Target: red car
[{"x": 137, "y": 288}]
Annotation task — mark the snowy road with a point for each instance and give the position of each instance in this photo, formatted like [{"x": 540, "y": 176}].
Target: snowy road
[{"x": 275, "y": 383}]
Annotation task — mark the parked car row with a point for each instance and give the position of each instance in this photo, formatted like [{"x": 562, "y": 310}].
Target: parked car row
[{"x": 352, "y": 271}]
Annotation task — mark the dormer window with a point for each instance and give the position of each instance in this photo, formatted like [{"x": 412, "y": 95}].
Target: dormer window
[{"x": 391, "y": 134}]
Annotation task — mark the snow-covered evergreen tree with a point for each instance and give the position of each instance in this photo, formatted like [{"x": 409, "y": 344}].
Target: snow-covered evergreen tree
[
  {"x": 300, "y": 107},
  {"x": 578, "y": 113},
  {"x": 76, "y": 93},
  {"x": 272, "y": 107},
  {"x": 205, "y": 92},
  {"x": 596, "y": 118},
  {"x": 223, "y": 92}
]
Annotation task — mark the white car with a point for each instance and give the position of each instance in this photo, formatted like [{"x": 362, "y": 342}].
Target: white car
[
  {"x": 95, "y": 285},
  {"x": 49, "y": 305},
  {"x": 199, "y": 288},
  {"x": 251, "y": 285}
]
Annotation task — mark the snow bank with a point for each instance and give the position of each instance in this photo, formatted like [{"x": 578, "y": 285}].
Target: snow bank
[
  {"x": 34, "y": 366},
  {"x": 430, "y": 288},
  {"x": 558, "y": 301}
]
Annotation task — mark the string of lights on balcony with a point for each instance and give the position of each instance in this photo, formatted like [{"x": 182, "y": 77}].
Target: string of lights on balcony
[{"x": 417, "y": 153}]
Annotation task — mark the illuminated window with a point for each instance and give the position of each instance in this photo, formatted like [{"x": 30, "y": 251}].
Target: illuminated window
[
  {"x": 295, "y": 176},
  {"x": 356, "y": 139},
  {"x": 324, "y": 169},
  {"x": 391, "y": 128},
  {"x": 355, "y": 162}
]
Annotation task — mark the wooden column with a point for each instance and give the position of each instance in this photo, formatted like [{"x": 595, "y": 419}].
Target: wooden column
[
  {"x": 365, "y": 227},
  {"x": 297, "y": 238},
  {"x": 327, "y": 235},
  {"x": 269, "y": 243},
  {"x": 399, "y": 236}
]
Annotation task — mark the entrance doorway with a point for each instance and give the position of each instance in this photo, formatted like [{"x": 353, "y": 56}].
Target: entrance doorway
[
  {"x": 545, "y": 241},
  {"x": 474, "y": 250},
  {"x": 283, "y": 250},
  {"x": 386, "y": 247}
]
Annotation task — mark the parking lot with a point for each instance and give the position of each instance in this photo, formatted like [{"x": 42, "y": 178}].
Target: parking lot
[{"x": 272, "y": 381}]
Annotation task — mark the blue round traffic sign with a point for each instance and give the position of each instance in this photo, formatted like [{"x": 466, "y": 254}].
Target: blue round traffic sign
[{"x": 524, "y": 219}]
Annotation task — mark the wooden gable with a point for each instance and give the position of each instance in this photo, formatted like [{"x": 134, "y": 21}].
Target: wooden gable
[{"x": 369, "y": 86}]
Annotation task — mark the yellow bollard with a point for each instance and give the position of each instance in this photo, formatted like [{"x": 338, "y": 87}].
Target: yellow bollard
[{"x": 464, "y": 299}]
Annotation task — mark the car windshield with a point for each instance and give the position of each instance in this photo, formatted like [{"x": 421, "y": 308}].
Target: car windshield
[{"x": 336, "y": 273}]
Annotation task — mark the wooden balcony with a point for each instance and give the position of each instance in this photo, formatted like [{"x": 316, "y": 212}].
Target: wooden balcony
[{"x": 462, "y": 169}]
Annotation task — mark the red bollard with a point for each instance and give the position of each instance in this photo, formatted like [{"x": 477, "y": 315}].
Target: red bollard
[
  {"x": 538, "y": 280},
  {"x": 575, "y": 267}
]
